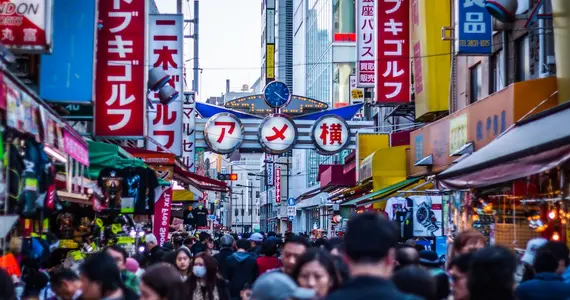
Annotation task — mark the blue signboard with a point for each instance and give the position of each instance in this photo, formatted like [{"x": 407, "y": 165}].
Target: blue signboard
[
  {"x": 419, "y": 144},
  {"x": 291, "y": 202},
  {"x": 474, "y": 31},
  {"x": 66, "y": 75}
]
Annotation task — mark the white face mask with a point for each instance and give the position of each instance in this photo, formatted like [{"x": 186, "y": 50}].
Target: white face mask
[{"x": 199, "y": 271}]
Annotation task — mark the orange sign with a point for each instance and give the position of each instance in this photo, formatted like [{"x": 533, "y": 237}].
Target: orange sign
[
  {"x": 9, "y": 263},
  {"x": 161, "y": 163}
]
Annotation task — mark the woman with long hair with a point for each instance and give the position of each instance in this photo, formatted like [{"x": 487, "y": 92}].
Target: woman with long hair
[
  {"x": 316, "y": 270},
  {"x": 204, "y": 283},
  {"x": 182, "y": 262},
  {"x": 161, "y": 282}
]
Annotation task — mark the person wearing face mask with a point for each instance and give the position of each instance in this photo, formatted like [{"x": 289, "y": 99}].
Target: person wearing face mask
[{"x": 204, "y": 283}]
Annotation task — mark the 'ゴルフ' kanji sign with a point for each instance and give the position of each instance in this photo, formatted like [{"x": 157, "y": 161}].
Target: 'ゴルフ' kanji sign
[
  {"x": 392, "y": 51},
  {"x": 277, "y": 134},
  {"x": 224, "y": 133},
  {"x": 330, "y": 134}
]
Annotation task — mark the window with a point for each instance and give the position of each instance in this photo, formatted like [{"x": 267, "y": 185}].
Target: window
[
  {"x": 341, "y": 82},
  {"x": 476, "y": 80},
  {"x": 496, "y": 78},
  {"x": 344, "y": 16},
  {"x": 523, "y": 58}
]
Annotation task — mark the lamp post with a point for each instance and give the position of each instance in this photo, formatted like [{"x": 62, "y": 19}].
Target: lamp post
[{"x": 249, "y": 201}]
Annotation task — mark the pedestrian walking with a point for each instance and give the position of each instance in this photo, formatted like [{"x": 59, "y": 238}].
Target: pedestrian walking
[
  {"x": 101, "y": 279},
  {"x": 161, "y": 282},
  {"x": 415, "y": 280},
  {"x": 240, "y": 269},
  {"x": 492, "y": 274},
  {"x": 66, "y": 285},
  {"x": 204, "y": 283},
  {"x": 279, "y": 286},
  {"x": 227, "y": 243},
  {"x": 294, "y": 247},
  {"x": 458, "y": 269},
  {"x": 182, "y": 263},
  {"x": 316, "y": 270},
  {"x": 268, "y": 259},
  {"x": 120, "y": 256}
]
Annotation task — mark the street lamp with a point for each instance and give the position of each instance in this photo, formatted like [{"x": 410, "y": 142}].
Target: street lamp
[{"x": 250, "y": 204}]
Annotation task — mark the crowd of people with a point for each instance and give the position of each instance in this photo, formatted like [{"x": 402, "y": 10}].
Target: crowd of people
[{"x": 369, "y": 262}]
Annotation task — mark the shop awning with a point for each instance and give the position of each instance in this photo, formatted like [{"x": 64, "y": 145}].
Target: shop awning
[
  {"x": 199, "y": 181},
  {"x": 103, "y": 155},
  {"x": 534, "y": 145},
  {"x": 382, "y": 192},
  {"x": 419, "y": 187},
  {"x": 182, "y": 195}
]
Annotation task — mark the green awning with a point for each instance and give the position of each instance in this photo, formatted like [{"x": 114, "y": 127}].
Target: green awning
[{"x": 382, "y": 192}]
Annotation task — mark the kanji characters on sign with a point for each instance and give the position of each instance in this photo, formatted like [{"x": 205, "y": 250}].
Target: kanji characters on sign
[
  {"x": 23, "y": 24},
  {"x": 392, "y": 51},
  {"x": 166, "y": 53},
  {"x": 188, "y": 130},
  {"x": 120, "y": 97},
  {"x": 365, "y": 43},
  {"x": 224, "y": 133},
  {"x": 330, "y": 134}
]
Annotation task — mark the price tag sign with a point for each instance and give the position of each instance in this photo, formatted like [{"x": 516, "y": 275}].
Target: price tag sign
[
  {"x": 68, "y": 244},
  {"x": 125, "y": 240}
]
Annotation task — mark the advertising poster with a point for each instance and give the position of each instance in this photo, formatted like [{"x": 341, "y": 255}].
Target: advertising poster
[{"x": 428, "y": 215}]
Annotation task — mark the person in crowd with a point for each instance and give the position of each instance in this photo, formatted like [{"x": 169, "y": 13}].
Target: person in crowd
[
  {"x": 201, "y": 244},
  {"x": 467, "y": 241},
  {"x": 133, "y": 266},
  {"x": 561, "y": 251},
  {"x": 188, "y": 242},
  {"x": 7, "y": 288},
  {"x": 161, "y": 282},
  {"x": 431, "y": 262},
  {"x": 406, "y": 255},
  {"x": 316, "y": 270},
  {"x": 294, "y": 247},
  {"x": 240, "y": 268},
  {"x": 458, "y": 268},
  {"x": 101, "y": 279},
  {"x": 415, "y": 280},
  {"x": 370, "y": 242},
  {"x": 154, "y": 253},
  {"x": 256, "y": 240},
  {"x": 65, "y": 284},
  {"x": 279, "y": 286},
  {"x": 226, "y": 249},
  {"x": 245, "y": 293},
  {"x": 547, "y": 283},
  {"x": 492, "y": 274},
  {"x": 336, "y": 246},
  {"x": 120, "y": 256},
  {"x": 337, "y": 251},
  {"x": 525, "y": 270},
  {"x": 204, "y": 283},
  {"x": 268, "y": 259},
  {"x": 210, "y": 247},
  {"x": 182, "y": 263}
]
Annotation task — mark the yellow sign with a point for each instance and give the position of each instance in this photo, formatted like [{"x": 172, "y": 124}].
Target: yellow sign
[
  {"x": 270, "y": 61},
  {"x": 116, "y": 228},
  {"x": 457, "y": 133},
  {"x": 76, "y": 255},
  {"x": 68, "y": 244},
  {"x": 125, "y": 240},
  {"x": 357, "y": 94}
]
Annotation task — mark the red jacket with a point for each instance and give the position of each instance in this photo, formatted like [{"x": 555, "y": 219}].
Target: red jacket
[{"x": 265, "y": 263}]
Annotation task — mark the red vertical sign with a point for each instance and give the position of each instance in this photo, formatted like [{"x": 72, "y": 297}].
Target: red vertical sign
[
  {"x": 120, "y": 70},
  {"x": 277, "y": 185},
  {"x": 162, "y": 210},
  {"x": 392, "y": 51}
]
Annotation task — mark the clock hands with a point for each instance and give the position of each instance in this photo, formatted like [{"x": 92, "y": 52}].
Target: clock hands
[{"x": 279, "y": 96}]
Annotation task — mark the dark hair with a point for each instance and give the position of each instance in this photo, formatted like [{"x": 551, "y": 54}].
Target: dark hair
[
  {"x": 185, "y": 251},
  {"x": 163, "y": 279},
  {"x": 7, "y": 289},
  {"x": 243, "y": 244},
  {"x": 336, "y": 243},
  {"x": 296, "y": 239},
  {"x": 102, "y": 269},
  {"x": 271, "y": 233},
  {"x": 324, "y": 259},
  {"x": 203, "y": 236},
  {"x": 417, "y": 281},
  {"x": 120, "y": 250},
  {"x": 405, "y": 258},
  {"x": 139, "y": 258},
  {"x": 322, "y": 243},
  {"x": 211, "y": 275},
  {"x": 559, "y": 250},
  {"x": 269, "y": 248},
  {"x": 61, "y": 275},
  {"x": 491, "y": 276},
  {"x": 369, "y": 237},
  {"x": 462, "y": 262},
  {"x": 188, "y": 241},
  {"x": 545, "y": 261}
]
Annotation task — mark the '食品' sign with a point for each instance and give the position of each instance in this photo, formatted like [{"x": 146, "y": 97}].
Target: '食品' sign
[{"x": 473, "y": 31}]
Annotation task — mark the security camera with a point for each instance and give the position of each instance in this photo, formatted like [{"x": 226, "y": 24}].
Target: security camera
[
  {"x": 502, "y": 10},
  {"x": 167, "y": 94},
  {"x": 157, "y": 78}
]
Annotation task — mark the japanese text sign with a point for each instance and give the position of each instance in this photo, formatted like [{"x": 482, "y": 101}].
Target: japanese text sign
[
  {"x": 166, "y": 41},
  {"x": 277, "y": 134},
  {"x": 188, "y": 131},
  {"x": 474, "y": 28},
  {"x": 365, "y": 48},
  {"x": 277, "y": 185},
  {"x": 75, "y": 148},
  {"x": 224, "y": 133},
  {"x": 330, "y": 134},
  {"x": 120, "y": 71},
  {"x": 392, "y": 51},
  {"x": 26, "y": 24}
]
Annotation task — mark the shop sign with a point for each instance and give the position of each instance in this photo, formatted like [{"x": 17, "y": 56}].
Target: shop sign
[
  {"x": 392, "y": 52},
  {"x": 270, "y": 173},
  {"x": 277, "y": 134},
  {"x": 75, "y": 148},
  {"x": 330, "y": 134},
  {"x": 277, "y": 185},
  {"x": 457, "y": 132},
  {"x": 365, "y": 48},
  {"x": 166, "y": 52},
  {"x": 162, "y": 210},
  {"x": 188, "y": 131},
  {"x": 120, "y": 72},
  {"x": 356, "y": 93},
  {"x": 474, "y": 30},
  {"x": 428, "y": 216},
  {"x": 224, "y": 133},
  {"x": 26, "y": 24}
]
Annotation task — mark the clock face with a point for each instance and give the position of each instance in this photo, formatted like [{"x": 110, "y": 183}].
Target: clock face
[{"x": 276, "y": 94}]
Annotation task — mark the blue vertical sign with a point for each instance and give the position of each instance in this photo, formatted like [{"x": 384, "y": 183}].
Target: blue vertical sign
[{"x": 474, "y": 28}]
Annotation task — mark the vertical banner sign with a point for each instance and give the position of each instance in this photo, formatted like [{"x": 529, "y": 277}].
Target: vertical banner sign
[
  {"x": 162, "y": 210},
  {"x": 26, "y": 24},
  {"x": 120, "y": 72},
  {"x": 277, "y": 185},
  {"x": 365, "y": 48},
  {"x": 392, "y": 50},
  {"x": 269, "y": 170},
  {"x": 165, "y": 121},
  {"x": 270, "y": 41},
  {"x": 188, "y": 132},
  {"x": 474, "y": 29}
]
